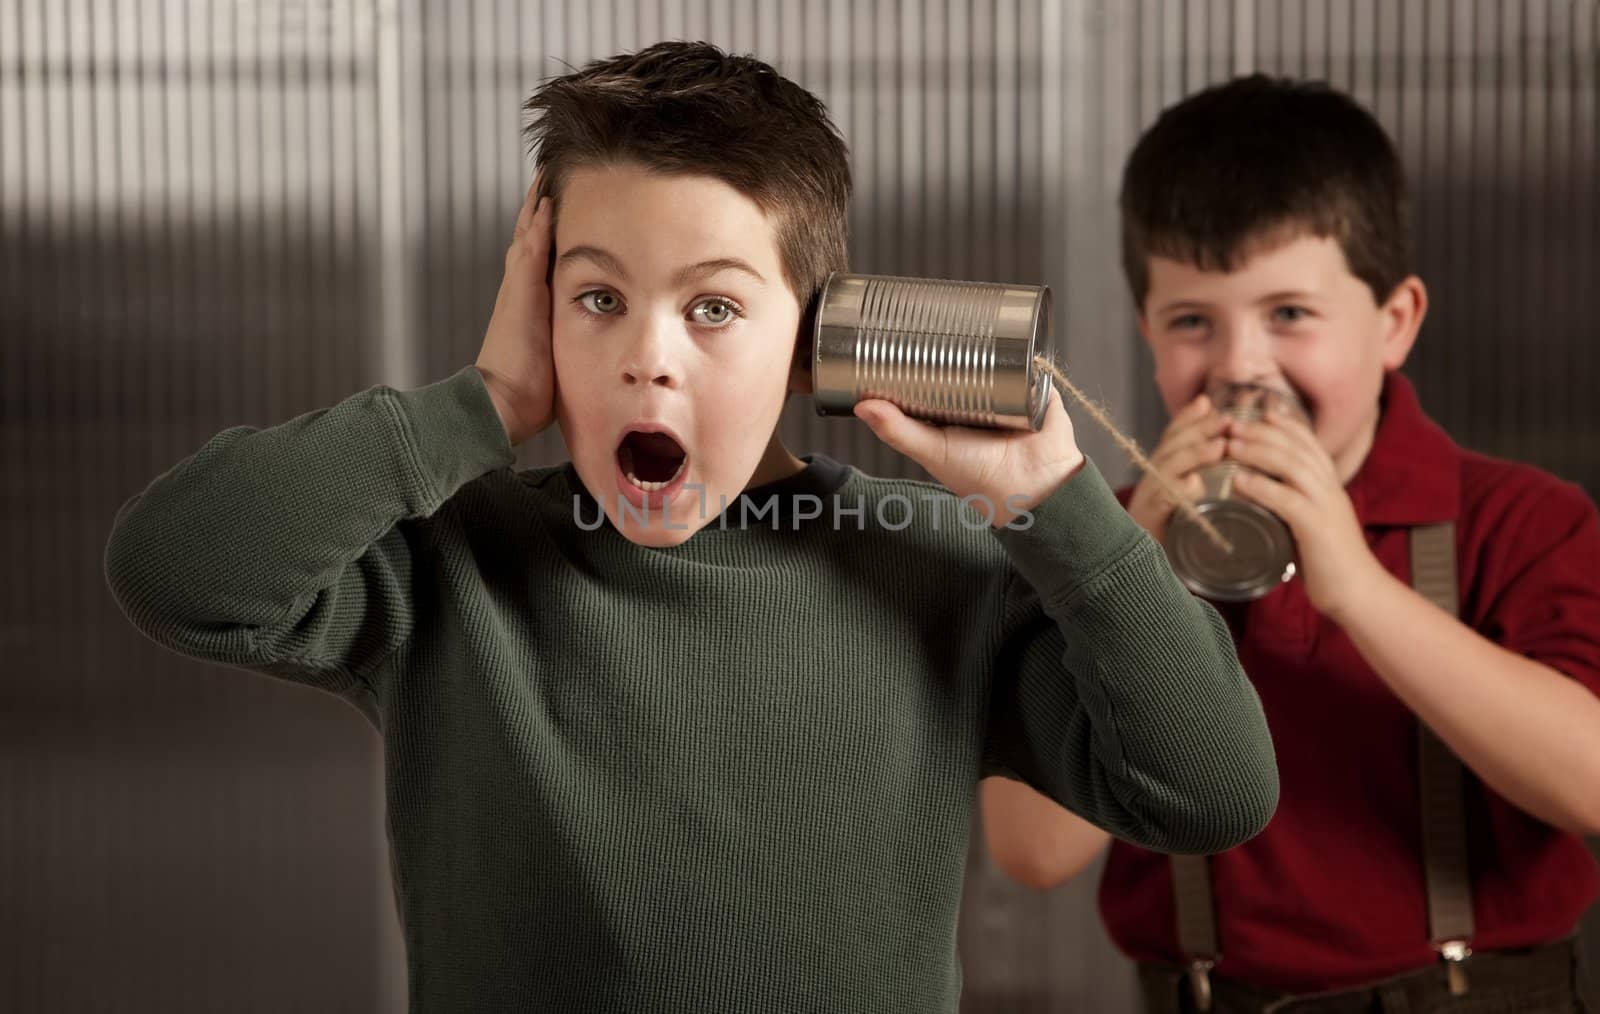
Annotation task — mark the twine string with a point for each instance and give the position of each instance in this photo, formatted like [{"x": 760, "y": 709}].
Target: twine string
[{"x": 1098, "y": 414}]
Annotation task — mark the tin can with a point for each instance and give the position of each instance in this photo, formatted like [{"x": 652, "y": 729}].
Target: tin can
[
  {"x": 943, "y": 351},
  {"x": 1263, "y": 550}
]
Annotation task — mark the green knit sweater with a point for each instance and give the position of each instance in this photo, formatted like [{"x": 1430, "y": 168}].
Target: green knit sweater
[{"x": 734, "y": 775}]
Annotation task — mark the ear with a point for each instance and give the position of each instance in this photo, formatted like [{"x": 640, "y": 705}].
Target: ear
[
  {"x": 800, "y": 381},
  {"x": 1144, "y": 327},
  {"x": 1402, "y": 315},
  {"x": 800, "y": 374}
]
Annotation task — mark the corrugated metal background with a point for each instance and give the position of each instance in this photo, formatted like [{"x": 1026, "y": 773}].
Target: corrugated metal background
[{"x": 220, "y": 212}]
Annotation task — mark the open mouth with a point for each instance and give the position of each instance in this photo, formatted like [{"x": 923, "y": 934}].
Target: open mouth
[{"x": 651, "y": 461}]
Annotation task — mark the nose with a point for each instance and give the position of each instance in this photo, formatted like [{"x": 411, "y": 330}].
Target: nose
[
  {"x": 649, "y": 357},
  {"x": 1242, "y": 354}
]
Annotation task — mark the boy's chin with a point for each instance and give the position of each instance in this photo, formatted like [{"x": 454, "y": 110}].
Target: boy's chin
[{"x": 656, "y": 534}]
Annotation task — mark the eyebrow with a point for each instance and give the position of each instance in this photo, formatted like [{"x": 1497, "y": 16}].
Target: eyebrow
[
  {"x": 1286, "y": 296},
  {"x": 705, "y": 269},
  {"x": 600, "y": 258},
  {"x": 1182, "y": 304},
  {"x": 607, "y": 261}
]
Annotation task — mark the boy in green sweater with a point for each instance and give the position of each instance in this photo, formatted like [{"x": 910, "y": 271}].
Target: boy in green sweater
[{"x": 689, "y": 723}]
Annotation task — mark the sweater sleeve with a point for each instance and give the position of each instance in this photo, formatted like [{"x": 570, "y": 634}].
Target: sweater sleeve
[
  {"x": 1117, "y": 693},
  {"x": 281, "y": 549}
]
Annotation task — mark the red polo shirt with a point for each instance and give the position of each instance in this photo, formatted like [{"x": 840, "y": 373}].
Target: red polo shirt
[{"x": 1331, "y": 894}]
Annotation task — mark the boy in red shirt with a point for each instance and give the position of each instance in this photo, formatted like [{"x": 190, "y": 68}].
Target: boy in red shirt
[{"x": 1264, "y": 240}]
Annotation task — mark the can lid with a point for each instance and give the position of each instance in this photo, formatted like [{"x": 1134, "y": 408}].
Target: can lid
[{"x": 1262, "y": 557}]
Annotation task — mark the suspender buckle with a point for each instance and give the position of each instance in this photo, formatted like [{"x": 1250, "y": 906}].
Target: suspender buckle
[
  {"x": 1199, "y": 972},
  {"x": 1455, "y": 954}
]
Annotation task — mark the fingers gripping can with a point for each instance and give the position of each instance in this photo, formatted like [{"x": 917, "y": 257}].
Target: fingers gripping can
[
  {"x": 945, "y": 351},
  {"x": 1262, "y": 555}
]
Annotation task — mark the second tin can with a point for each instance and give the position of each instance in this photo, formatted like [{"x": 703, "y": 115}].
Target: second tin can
[{"x": 1262, "y": 553}]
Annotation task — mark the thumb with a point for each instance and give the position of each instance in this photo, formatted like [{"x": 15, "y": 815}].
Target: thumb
[{"x": 915, "y": 439}]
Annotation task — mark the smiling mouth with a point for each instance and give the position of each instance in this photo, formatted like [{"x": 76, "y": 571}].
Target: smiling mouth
[{"x": 651, "y": 461}]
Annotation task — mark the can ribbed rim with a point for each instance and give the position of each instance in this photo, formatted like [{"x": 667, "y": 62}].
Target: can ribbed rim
[{"x": 817, "y": 304}]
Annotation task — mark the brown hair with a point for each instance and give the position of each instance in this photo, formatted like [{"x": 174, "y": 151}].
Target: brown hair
[
  {"x": 689, "y": 107},
  {"x": 1260, "y": 159}
]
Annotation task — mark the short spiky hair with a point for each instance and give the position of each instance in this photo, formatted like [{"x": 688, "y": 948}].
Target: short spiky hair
[
  {"x": 1260, "y": 157},
  {"x": 689, "y": 107}
]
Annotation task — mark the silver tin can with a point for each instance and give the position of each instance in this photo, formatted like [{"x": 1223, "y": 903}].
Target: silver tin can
[
  {"x": 944, "y": 351},
  {"x": 1263, "y": 547}
]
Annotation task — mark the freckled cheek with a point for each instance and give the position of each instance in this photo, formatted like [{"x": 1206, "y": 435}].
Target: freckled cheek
[
  {"x": 1180, "y": 377},
  {"x": 738, "y": 411},
  {"x": 1335, "y": 410},
  {"x": 561, "y": 351},
  {"x": 1314, "y": 371},
  {"x": 735, "y": 413},
  {"x": 580, "y": 406},
  {"x": 578, "y": 368}
]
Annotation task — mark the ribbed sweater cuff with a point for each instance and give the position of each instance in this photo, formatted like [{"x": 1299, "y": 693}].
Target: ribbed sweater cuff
[
  {"x": 1078, "y": 532},
  {"x": 452, "y": 432}
]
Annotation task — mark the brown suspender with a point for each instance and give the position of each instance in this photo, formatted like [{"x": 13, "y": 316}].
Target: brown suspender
[
  {"x": 1442, "y": 782},
  {"x": 1197, "y": 923},
  {"x": 1441, "y": 787}
]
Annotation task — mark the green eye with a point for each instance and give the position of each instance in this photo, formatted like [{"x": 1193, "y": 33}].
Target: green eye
[
  {"x": 714, "y": 312},
  {"x": 600, "y": 302}
]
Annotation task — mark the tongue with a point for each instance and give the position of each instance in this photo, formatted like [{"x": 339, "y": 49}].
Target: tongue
[{"x": 656, "y": 456}]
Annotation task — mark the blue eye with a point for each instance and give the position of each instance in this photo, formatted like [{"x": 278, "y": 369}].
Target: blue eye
[
  {"x": 715, "y": 312},
  {"x": 600, "y": 302}
]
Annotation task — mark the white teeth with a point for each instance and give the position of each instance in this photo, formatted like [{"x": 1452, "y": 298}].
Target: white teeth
[{"x": 650, "y": 487}]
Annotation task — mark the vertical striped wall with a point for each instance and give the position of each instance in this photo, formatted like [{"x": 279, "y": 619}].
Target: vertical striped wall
[{"x": 219, "y": 211}]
